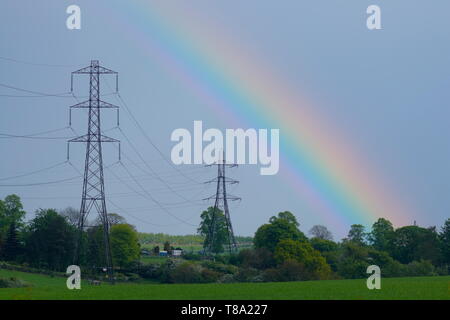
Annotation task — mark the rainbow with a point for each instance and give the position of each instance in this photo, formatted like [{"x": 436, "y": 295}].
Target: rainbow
[{"x": 316, "y": 158}]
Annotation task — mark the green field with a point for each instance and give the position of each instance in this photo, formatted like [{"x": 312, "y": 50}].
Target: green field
[{"x": 45, "y": 287}]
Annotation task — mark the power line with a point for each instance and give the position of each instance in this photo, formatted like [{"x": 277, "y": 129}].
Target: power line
[
  {"x": 144, "y": 133},
  {"x": 154, "y": 200},
  {"x": 35, "y": 92},
  {"x": 38, "y": 183},
  {"x": 39, "y": 64},
  {"x": 34, "y": 172}
]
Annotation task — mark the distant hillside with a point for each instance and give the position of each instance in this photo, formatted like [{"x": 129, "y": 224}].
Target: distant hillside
[{"x": 159, "y": 238}]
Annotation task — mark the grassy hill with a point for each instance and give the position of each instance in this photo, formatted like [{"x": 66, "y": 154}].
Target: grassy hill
[{"x": 45, "y": 287}]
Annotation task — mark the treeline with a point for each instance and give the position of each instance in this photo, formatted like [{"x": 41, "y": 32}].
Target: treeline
[
  {"x": 183, "y": 240},
  {"x": 282, "y": 252},
  {"x": 47, "y": 242}
]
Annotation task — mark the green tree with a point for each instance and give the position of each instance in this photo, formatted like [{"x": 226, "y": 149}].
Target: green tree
[
  {"x": 12, "y": 247},
  {"x": 357, "y": 234},
  {"x": 414, "y": 243},
  {"x": 314, "y": 264},
  {"x": 323, "y": 245},
  {"x": 167, "y": 246},
  {"x": 124, "y": 245},
  {"x": 220, "y": 229},
  {"x": 284, "y": 226},
  {"x": 382, "y": 235},
  {"x": 95, "y": 247},
  {"x": 11, "y": 211},
  {"x": 444, "y": 236},
  {"x": 50, "y": 241}
]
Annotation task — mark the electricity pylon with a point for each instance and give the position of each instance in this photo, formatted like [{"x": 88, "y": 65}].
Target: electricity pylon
[
  {"x": 93, "y": 194},
  {"x": 221, "y": 202}
]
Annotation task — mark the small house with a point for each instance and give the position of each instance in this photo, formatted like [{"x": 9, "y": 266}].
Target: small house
[{"x": 163, "y": 253}]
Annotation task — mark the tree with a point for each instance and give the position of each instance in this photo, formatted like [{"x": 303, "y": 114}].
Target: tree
[
  {"x": 71, "y": 214},
  {"x": 113, "y": 219},
  {"x": 12, "y": 247},
  {"x": 11, "y": 211},
  {"x": 287, "y": 216},
  {"x": 416, "y": 243},
  {"x": 167, "y": 246},
  {"x": 321, "y": 232},
  {"x": 124, "y": 245},
  {"x": 95, "y": 253},
  {"x": 220, "y": 229},
  {"x": 382, "y": 235},
  {"x": 444, "y": 236},
  {"x": 285, "y": 226},
  {"x": 357, "y": 234},
  {"x": 314, "y": 264},
  {"x": 50, "y": 241},
  {"x": 323, "y": 245}
]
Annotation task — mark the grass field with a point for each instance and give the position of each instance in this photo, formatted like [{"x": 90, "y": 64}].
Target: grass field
[{"x": 45, "y": 287}]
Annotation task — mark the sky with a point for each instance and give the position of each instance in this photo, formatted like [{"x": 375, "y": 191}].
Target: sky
[{"x": 376, "y": 99}]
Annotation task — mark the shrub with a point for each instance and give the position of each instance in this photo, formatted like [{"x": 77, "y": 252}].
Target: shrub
[
  {"x": 421, "y": 268},
  {"x": 314, "y": 264},
  {"x": 13, "y": 283},
  {"x": 226, "y": 278},
  {"x": 219, "y": 267},
  {"x": 210, "y": 275},
  {"x": 259, "y": 258},
  {"x": 150, "y": 271},
  {"x": 187, "y": 272},
  {"x": 289, "y": 270},
  {"x": 248, "y": 275}
]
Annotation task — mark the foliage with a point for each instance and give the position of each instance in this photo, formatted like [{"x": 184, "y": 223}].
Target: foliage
[
  {"x": 289, "y": 270},
  {"x": 208, "y": 218},
  {"x": 259, "y": 258},
  {"x": 50, "y": 241},
  {"x": 357, "y": 234},
  {"x": 313, "y": 263},
  {"x": 382, "y": 235},
  {"x": 444, "y": 237},
  {"x": 12, "y": 248},
  {"x": 124, "y": 245},
  {"x": 11, "y": 211},
  {"x": 187, "y": 272},
  {"x": 323, "y": 245},
  {"x": 416, "y": 243},
  {"x": 13, "y": 282},
  {"x": 285, "y": 226},
  {"x": 321, "y": 232}
]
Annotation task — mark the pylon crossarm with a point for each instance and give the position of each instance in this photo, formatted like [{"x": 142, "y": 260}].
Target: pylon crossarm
[{"x": 88, "y": 104}]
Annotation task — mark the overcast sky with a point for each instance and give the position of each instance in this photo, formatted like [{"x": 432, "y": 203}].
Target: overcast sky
[{"x": 387, "y": 90}]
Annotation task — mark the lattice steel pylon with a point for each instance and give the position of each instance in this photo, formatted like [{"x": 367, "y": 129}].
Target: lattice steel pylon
[
  {"x": 221, "y": 202},
  {"x": 93, "y": 194}
]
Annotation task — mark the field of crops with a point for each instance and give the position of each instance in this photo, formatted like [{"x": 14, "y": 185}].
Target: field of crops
[{"x": 45, "y": 287}]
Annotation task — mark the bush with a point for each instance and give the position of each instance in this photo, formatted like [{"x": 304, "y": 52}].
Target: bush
[
  {"x": 13, "y": 283},
  {"x": 248, "y": 275},
  {"x": 260, "y": 258},
  {"x": 219, "y": 267},
  {"x": 150, "y": 271},
  {"x": 187, "y": 272},
  {"x": 314, "y": 264},
  {"x": 192, "y": 256},
  {"x": 210, "y": 275},
  {"x": 420, "y": 268},
  {"x": 226, "y": 278},
  {"x": 290, "y": 270}
]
